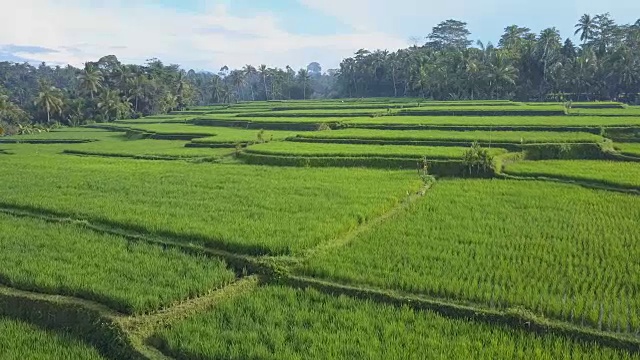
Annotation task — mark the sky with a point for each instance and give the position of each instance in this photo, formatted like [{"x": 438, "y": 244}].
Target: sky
[{"x": 209, "y": 34}]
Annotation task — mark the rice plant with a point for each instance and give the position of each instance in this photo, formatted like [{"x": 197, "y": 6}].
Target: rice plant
[
  {"x": 130, "y": 277},
  {"x": 19, "y": 341},
  {"x": 282, "y": 323},
  {"x": 612, "y": 173},
  {"x": 557, "y": 250}
]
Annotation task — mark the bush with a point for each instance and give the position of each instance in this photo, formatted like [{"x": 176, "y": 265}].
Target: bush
[{"x": 477, "y": 161}]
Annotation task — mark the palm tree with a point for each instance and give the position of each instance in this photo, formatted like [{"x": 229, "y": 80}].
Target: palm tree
[
  {"x": 264, "y": 71},
  {"x": 500, "y": 73},
  {"x": 237, "y": 79},
  {"x": 303, "y": 76},
  {"x": 50, "y": 100},
  {"x": 136, "y": 89},
  {"x": 90, "y": 79},
  {"x": 110, "y": 104},
  {"x": 249, "y": 73},
  {"x": 586, "y": 27}
]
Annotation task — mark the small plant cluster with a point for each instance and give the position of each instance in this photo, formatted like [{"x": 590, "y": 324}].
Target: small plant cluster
[
  {"x": 477, "y": 161},
  {"x": 423, "y": 172}
]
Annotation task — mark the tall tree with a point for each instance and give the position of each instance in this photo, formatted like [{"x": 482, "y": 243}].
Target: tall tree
[
  {"x": 586, "y": 27},
  {"x": 449, "y": 33},
  {"x": 49, "y": 100},
  {"x": 90, "y": 79},
  {"x": 304, "y": 78}
]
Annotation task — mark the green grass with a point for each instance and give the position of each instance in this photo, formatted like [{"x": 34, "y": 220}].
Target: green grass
[
  {"x": 348, "y": 150},
  {"x": 558, "y": 250},
  {"x": 118, "y": 145},
  {"x": 253, "y": 209},
  {"x": 64, "y": 134},
  {"x": 613, "y": 173},
  {"x": 282, "y": 323},
  {"x": 158, "y": 119},
  {"x": 451, "y": 136},
  {"x": 221, "y": 135},
  {"x": 632, "y": 149},
  {"x": 71, "y": 260},
  {"x": 629, "y": 111},
  {"x": 276, "y": 119},
  {"x": 546, "y": 121},
  {"x": 19, "y": 341}
]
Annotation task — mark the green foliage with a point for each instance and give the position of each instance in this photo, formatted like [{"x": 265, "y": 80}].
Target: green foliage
[
  {"x": 557, "y": 250},
  {"x": 70, "y": 260},
  {"x": 323, "y": 127},
  {"x": 277, "y": 322},
  {"x": 23, "y": 341},
  {"x": 477, "y": 161},
  {"x": 423, "y": 172}
]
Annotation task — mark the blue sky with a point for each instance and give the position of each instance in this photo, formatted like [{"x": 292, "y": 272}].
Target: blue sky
[{"x": 207, "y": 34}]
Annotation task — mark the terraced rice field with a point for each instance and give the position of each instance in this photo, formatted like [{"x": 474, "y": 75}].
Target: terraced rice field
[
  {"x": 217, "y": 205},
  {"x": 23, "y": 341},
  {"x": 553, "y": 249},
  {"x": 70, "y": 260},
  {"x": 518, "y": 137},
  {"x": 117, "y": 144},
  {"x": 278, "y": 322},
  {"x": 632, "y": 149},
  {"x": 621, "y": 174},
  {"x": 349, "y": 150},
  {"x": 542, "y": 121},
  {"x": 355, "y": 228}
]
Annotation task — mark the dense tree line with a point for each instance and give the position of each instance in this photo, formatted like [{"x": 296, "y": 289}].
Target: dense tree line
[
  {"x": 523, "y": 65},
  {"x": 106, "y": 90}
]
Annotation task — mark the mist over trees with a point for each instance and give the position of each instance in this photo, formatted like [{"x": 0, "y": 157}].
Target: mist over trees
[{"x": 522, "y": 65}]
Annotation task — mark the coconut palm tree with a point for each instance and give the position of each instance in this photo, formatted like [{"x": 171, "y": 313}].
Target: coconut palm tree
[
  {"x": 304, "y": 78},
  {"x": 500, "y": 73},
  {"x": 237, "y": 79},
  {"x": 264, "y": 71},
  {"x": 111, "y": 106},
  {"x": 90, "y": 79},
  {"x": 586, "y": 27},
  {"x": 250, "y": 73},
  {"x": 49, "y": 99}
]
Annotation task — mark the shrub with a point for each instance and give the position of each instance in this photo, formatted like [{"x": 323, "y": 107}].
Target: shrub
[
  {"x": 323, "y": 127},
  {"x": 477, "y": 161}
]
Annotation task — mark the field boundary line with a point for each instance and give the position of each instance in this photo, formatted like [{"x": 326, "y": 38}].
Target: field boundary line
[
  {"x": 349, "y": 236},
  {"x": 141, "y": 328},
  {"x": 516, "y": 318},
  {"x": 141, "y": 157},
  {"x": 607, "y": 186}
]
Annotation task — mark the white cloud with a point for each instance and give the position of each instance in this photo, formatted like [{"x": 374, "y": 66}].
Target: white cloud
[
  {"x": 135, "y": 32},
  {"x": 486, "y": 18}
]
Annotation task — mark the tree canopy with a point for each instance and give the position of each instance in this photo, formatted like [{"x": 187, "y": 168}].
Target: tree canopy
[{"x": 523, "y": 66}]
